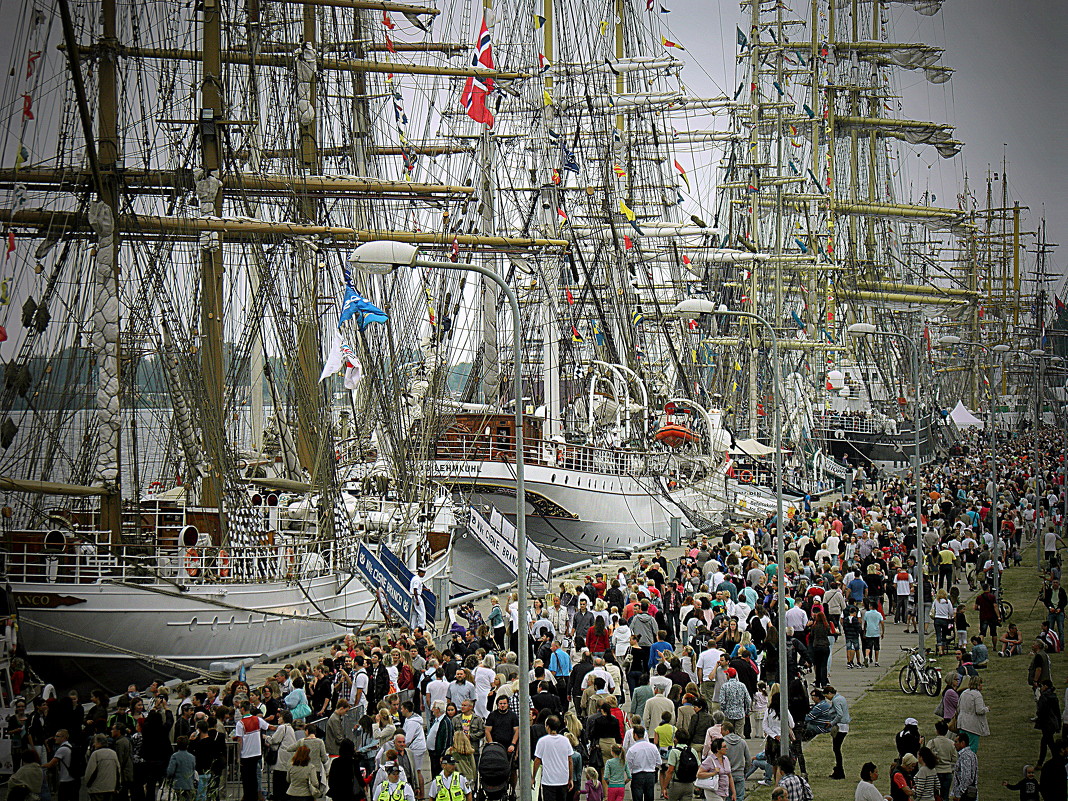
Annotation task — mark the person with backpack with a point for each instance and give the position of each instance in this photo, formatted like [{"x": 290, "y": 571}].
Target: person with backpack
[
  {"x": 676, "y": 782},
  {"x": 69, "y": 768}
]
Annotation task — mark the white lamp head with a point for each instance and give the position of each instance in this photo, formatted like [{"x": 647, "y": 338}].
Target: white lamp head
[
  {"x": 1036, "y": 352},
  {"x": 861, "y": 329},
  {"x": 949, "y": 339},
  {"x": 695, "y": 306},
  {"x": 1001, "y": 348},
  {"x": 382, "y": 256}
]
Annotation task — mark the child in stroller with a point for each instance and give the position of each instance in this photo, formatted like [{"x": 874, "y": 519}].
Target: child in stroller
[{"x": 495, "y": 773}]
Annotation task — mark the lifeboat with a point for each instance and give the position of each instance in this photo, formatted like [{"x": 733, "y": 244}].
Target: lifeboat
[{"x": 674, "y": 435}]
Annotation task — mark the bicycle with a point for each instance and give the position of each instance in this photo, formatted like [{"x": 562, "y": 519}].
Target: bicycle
[{"x": 920, "y": 672}]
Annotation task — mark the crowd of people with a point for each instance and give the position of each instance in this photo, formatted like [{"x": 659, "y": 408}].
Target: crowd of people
[{"x": 661, "y": 679}]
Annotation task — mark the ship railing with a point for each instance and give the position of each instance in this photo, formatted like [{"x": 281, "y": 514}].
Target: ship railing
[
  {"x": 848, "y": 423},
  {"x": 585, "y": 458},
  {"x": 92, "y": 560}
]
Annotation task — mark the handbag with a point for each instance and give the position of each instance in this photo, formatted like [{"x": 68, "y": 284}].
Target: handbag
[
  {"x": 301, "y": 711},
  {"x": 711, "y": 783},
  {"x": 941, "y": 708}
]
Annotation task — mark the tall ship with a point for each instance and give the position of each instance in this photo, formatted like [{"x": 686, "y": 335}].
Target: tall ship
[
  {"x": 184, "y": 185},
  {"x": 815, "y": 184}
]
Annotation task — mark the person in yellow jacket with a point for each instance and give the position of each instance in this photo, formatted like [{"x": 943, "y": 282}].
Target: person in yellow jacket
[
  {"x": 450, "y": 785},
  {"x": 393, "y": 789}
]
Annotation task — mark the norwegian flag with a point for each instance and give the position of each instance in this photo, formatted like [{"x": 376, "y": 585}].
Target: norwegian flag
[{"x": 477, "y": 88}]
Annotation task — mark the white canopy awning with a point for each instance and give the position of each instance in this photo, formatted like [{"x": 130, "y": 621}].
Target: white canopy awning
[
  {"x": 964, "y": 418},
  {"x": 750, "y": 447}
]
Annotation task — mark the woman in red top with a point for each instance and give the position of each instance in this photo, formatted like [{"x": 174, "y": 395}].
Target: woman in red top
[{"x": 597, "y": 637}]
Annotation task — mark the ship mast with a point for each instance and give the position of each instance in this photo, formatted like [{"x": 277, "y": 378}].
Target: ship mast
[
  {"x": 211, "y": 262},
  {"x": 110, "y": 354}
]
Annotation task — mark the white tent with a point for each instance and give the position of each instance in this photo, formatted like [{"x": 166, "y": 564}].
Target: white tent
[{"x": 963, "y": 418}]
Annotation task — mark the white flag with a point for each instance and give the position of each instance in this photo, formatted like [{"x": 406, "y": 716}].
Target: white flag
[
  {"x": 353, "y": 375},
  {"x": 334, "y": 358}
]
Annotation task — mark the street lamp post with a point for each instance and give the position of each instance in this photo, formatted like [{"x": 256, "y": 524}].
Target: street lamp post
[
  {"x": 867, "y": 329},
  {"x": 992, "y": 438},
  {"x": 703, "y": 306},
  {"x": 1042, "y": 357},
  {"x": 384, "y": 257}
]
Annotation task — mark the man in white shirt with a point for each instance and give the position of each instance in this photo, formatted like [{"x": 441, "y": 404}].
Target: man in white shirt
[
  {"x": 415, "y": 588},
  {"x": 553, "y": 755},
  {"x": 437, "y": 688},
  {"x": 832, "y": 544},
  {"x": 358, "y": 690},
  {"x": 600, "y": 670},
  {"x": 706, "y": 671},
  {"x": 643, "y": 759},
  {"x": 796, "y": 617},
  {"x": 247, "y": 732}
]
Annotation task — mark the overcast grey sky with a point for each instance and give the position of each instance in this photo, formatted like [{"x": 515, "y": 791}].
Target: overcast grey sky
[{"x": 1009, "y": 89}]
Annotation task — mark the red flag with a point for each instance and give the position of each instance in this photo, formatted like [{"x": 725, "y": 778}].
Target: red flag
[
  {"x": 389, "y": 45},
  {"x": 3, "y": 334},
  {"x": 570, "y": 297},
  {"x": 387, "y": 21},
  {"x": 27, "y": 107},
  {"x": 686, "y": 259},
  {"x": 31, "y": 62},
  {"x": 628, "y": 243},
  {"x": 10, "y": 243},
  {"x": 477, "y": 88},
  {"x": 455, "y": 255}
]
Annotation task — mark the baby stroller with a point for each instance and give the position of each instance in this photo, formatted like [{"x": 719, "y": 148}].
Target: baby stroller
[{"x": 495, "y": 773}]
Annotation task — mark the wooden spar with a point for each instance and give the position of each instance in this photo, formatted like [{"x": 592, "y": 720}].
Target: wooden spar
[
  {"x": 333, "y": 64},
  {"x": 373, "y": 5},
  {"x": 151, "y": 181},
  {"x": 898, "y": 297},
  {"x": 885, "y": 122},
  {"x": 57, "y": 222},
  {"x": 417, "y": 47},
  {"x": 347, "y": 151},
  {"x": 897, "y": 210},
  {"x": 49, "y": 488},
  {"x": 916, "y": 289}
]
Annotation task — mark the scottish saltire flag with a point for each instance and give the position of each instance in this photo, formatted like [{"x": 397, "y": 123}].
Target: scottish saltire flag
[
  {"x": 356, "y": 305},
  {"x": 478, "y": 88}
]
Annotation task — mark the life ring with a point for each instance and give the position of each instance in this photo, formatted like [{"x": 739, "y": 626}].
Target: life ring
[
  {"x": 746, "y": 477},
  {"x": 192, "y": 563},
  {"x": 155, "y": 488},
  {"x": 224, "y": 563}
]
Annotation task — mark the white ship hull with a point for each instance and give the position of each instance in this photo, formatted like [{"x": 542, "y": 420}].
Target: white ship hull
[
  {"x": 571, "y": 514},
  {"x": 99, "y": 626},
  {"x": 87, "y": 621}
]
